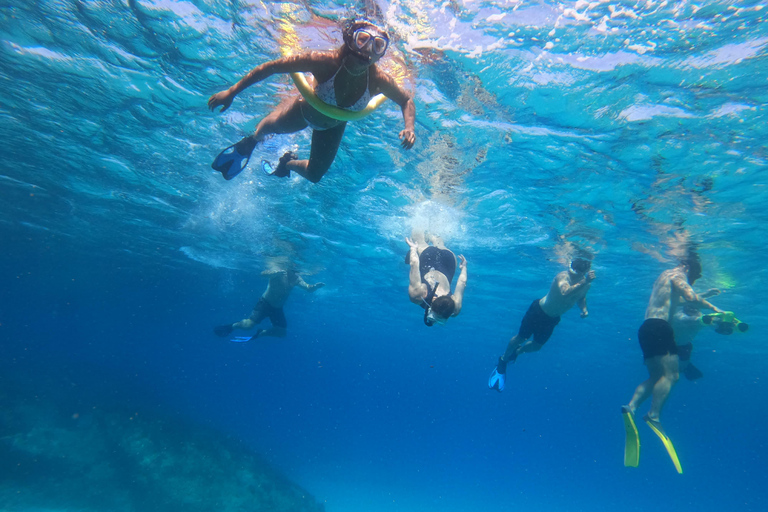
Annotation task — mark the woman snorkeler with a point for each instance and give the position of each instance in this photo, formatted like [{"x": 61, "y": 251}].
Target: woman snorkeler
[{"x": 346, "y": 78}]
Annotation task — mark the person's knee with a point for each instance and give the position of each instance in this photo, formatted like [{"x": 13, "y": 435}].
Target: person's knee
[
  {"x": 245, "y": 324},
  {"x": 316, "y": 171}
]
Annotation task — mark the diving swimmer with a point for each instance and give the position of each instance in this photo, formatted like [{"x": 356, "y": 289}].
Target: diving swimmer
[
  {"x": 432, "y": 268},
  {"x": 347, "y": 78}
]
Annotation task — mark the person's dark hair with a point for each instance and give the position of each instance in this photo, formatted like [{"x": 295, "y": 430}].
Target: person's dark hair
[
  {"x": 580, "y": 265},
  {"x": 694, "y": 268},
  {"x": 443, "y": 306}
]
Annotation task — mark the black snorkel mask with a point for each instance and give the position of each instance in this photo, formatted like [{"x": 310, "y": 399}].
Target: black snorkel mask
[
  {"x": 579, "y": 266},
  {"x": 360, "y": 34}
]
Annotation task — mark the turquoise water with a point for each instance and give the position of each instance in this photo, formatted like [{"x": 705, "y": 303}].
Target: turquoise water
[{"x": 615, "y": 130}]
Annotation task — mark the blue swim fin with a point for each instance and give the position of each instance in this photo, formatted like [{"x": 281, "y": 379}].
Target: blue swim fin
[
  {"x": 282, "y": 170},
  {"x": 230, "y": 162}
]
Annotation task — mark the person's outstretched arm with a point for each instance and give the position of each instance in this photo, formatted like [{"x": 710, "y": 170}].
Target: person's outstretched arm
[
  {"x": 309, "y": 287},
  {"x": 461, "y": 285},
  {"x": 690, "y": 296},
  {"x": 307, "y": 61},
  {"x": 389, "y": 88},
  {"x": 416, "y": 289}
]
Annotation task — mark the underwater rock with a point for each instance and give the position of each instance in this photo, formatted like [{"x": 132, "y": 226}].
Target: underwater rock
[{"x": 119, "y": 461}]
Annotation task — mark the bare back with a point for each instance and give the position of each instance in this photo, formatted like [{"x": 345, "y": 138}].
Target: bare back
[
  {"x": 563, "y": 294},
  {"x": 666, "y": 295},
  {"x": 279, "y": 288}
]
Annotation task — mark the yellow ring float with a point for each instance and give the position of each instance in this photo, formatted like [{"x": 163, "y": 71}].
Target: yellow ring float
[{"x": 331, "y": 111}]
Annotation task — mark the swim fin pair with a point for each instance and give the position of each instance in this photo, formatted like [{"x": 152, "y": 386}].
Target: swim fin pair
[
  {"x": 632, "y": 441},
  {"x": 233, "y": 160}
]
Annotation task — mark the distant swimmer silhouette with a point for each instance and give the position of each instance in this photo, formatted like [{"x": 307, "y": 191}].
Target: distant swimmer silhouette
[
  {"x": 568, "y": 288},
  {"x": 281, "y": 283},
  {"x": 432, "y": 268},
  {"x": 348, "y": 86}
]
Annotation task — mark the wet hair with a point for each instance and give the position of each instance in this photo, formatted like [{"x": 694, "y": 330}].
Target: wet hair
[
  {"x": 694, "y": 268},
  {"x": 580, "y": 265},
  {"x": 444, "y": 306}
]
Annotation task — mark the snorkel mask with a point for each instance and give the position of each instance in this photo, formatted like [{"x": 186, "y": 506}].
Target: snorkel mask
[
  {"x": 579, "y": 266},
  {"x": 431, "y": 318},
  {"x": 360, "y": 34}
]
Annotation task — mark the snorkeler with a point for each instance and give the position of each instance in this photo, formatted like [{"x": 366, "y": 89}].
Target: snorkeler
[
  {"x": 281, "y": 283},
  {"x": 568, "y": 288},
  {"x": 432, "y": 268},
  {"x": 346, "y": 78},
  {"x": 671, "y": 290}
]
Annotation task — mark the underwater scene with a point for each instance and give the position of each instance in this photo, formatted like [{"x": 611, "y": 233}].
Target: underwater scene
[{"x": 383, "y": 255}]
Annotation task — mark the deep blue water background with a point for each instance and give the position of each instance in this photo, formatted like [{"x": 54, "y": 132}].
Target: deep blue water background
[{"x": 122, "y": 249}]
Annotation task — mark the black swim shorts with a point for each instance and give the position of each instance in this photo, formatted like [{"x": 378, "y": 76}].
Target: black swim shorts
[
  {"x": 538, "y": 324},
  {"x": 656, "y": 338},
  {"x": 264, "y": 309}
]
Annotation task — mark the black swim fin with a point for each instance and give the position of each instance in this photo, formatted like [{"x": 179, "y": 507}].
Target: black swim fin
[
  {"x": 281, "y": 171},
  {"x": 692, "y": 373},
  {"x": 223, "y": 330},
  {"x": 231, "y": 162}
]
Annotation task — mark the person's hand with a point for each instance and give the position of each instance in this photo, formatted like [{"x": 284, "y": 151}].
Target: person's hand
[
  {"x": 711, "y": 293},
  {"x": 408, "y": 138},
  {"x": 584, "y": 314},
  {"x": 462, "y": 262},
  {"x": 317, "y": 285},
  {"x": 221, "y": 99},
  {"x": 590, "y": 276},
  {"x": 411, "y": 243}
]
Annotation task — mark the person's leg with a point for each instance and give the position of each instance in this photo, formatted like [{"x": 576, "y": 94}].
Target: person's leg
[
  {"x": 325, "y": 145},
  {"x": 255, "y": 319},
  {"x": 286, "y": 118},
  {"x": 530, "y": 346},
  {"x": 279, "y": 324},
  {"x": 644, "y": 390},
  {"x": 669, "y": 376},
  {"x": 417, "y": 237}
]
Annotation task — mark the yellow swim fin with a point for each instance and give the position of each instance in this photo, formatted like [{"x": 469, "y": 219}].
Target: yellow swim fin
[
  {"x": 656, "y": 427},
  {"x": 632, "y": 440}
]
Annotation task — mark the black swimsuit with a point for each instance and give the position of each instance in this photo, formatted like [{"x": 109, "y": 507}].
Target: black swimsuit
[{"x": 441, "y": 260}]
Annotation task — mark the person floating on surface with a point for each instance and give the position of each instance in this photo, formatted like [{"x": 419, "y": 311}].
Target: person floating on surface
[
  {"x": 568, "y": 288},
  {"x": 347, "y": 78}
]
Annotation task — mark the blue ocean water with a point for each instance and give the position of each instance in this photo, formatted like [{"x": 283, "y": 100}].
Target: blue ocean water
[{"x": 545, "y": 130}]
